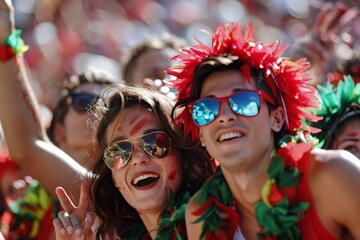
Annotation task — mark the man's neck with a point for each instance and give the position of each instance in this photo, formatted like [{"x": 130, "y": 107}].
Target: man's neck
[{"x": 246, "y": 185}]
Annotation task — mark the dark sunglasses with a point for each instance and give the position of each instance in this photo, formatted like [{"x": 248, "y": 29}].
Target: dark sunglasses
[
  {"x": 81, "y": 102},
  {"x": 155, "y": 144},
  {"x": 245, "y": 103}
]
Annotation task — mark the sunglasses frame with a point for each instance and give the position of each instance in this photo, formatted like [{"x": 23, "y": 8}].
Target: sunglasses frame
[
  {"x": 221, "y": 100},
  {"x": 74, "y": 95},
  {"x": 108, "y": 150}
]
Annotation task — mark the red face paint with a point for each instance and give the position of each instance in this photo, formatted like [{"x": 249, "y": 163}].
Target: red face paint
[
  {"x": 119, "y": 129},
  {"x": 134, "y": 119},
  {"x": 353, "y": 134},
  {"x": 139, "y": 125},
  {"x": 172, "y": 175}
]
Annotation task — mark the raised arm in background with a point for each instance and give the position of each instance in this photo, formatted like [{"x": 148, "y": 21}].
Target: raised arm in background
[{"x": 27, "y": 141}]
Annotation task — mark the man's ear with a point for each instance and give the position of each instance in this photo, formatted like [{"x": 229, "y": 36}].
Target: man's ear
[{"x": 277, "y": 119}]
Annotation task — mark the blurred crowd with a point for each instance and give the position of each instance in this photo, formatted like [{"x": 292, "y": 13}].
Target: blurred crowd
[{"x": 67, "y": 37}]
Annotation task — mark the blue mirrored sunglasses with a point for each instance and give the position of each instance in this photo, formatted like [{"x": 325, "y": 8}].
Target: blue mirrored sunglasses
[
  {"x": 245, "y": 103},
  {"x": 81, "y": 102}
]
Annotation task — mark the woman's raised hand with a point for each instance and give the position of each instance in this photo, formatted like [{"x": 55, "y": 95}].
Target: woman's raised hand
[
  {"x": 7, "y": 24},
  {"x": 74, "y": 222}
]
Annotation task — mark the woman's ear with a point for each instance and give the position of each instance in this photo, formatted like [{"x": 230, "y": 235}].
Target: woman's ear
[
  {"x": 277, "y": 117},
  {"x": 59, "y": 134}
]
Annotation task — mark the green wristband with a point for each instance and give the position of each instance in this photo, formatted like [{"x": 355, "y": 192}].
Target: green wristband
[{"x": 15, "y": 41}]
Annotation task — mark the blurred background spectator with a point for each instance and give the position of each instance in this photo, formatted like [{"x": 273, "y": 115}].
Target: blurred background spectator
[{"x": 70, "y": 37}]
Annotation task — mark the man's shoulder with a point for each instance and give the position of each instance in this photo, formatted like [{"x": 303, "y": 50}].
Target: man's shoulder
[
  {"x": 333, "y": 157},
  {"x": 333, "y": 168}
]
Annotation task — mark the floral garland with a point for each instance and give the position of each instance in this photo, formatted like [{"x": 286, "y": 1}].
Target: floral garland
[
  {"x": 277, "y": 213},
  {"x": 172, "y": 224}
]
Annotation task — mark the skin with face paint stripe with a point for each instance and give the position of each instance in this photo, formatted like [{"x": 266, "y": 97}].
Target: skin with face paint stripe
[
  {"x": 349, "y": 137},
  {"x": 149, "y": 202}
]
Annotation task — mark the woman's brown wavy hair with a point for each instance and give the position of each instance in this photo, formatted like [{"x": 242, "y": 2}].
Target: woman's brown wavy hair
[{"x": 116, "y": 215}]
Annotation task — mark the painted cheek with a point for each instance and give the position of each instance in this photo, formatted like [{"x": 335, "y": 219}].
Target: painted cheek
[{"x": 173, "y": 175}]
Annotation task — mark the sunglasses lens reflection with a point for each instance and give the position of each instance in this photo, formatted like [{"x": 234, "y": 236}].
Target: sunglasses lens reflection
[
  {"x": 205, "y": 111},
  {"x": 155, "y": 144},
  {"x": 245, "y": 103},
  {"x": 118, "y": 154}
]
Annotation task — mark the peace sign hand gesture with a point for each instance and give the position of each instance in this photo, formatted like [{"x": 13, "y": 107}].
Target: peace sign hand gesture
[{"x": 75, "y": 222}]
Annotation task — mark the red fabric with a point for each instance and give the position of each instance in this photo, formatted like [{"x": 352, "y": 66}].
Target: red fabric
[
  {"x": 47, "y": 228},
  {"x": 6, "y": 52},
  {"x": 311, "y": 226}
]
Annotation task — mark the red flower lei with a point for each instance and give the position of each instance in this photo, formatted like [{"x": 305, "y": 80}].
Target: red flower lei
[{"x": 277, "y": 213}]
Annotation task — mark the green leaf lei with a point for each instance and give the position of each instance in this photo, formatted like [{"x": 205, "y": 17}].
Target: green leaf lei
[
  {"x": 172, "y": 223},
  {"x": 276, "y": 214}
]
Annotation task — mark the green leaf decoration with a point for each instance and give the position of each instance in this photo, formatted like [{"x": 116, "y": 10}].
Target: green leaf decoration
[
  {"x": 290, "y": 178},
  {"x": 334, "y": 102},
  {"x": 277, "y": 220},
  {"x": 276, "y": 167}
]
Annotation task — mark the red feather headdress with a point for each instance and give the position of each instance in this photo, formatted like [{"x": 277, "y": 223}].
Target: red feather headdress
[{"x": 287, "y": 80}]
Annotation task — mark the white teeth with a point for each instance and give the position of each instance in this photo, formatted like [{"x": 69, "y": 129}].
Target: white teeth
[
  {"x": 229, "y": 136},
  {"x": 142, "y": 177}
]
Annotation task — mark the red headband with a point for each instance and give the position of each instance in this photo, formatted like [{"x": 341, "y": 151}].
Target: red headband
[{"x": 287, "y": 80}]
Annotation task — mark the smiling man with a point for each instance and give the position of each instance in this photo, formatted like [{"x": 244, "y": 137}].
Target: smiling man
[{"x": 247, "y": 104}]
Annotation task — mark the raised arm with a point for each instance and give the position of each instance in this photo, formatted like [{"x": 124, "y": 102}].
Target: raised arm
[{"x": 25, "y": 135}]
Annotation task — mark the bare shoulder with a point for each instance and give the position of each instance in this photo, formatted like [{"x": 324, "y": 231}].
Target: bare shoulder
[
  {"x": 334, "y": 180},
  {"x": 193, "y": 229},
  {"x": 334, "y": 162},
  {"x": 335, "y": 167},
  {"x": 191, "y": 207}
]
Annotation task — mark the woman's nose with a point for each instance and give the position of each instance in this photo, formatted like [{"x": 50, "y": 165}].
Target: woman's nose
[{"x": 139, "y": 156}]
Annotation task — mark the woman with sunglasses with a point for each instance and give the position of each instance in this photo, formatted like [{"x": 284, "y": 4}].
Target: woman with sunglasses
[
  {"x": 145, "y": 178},
  {"x": 247, "y": 104},
  {"x": 145, "y": 170}
]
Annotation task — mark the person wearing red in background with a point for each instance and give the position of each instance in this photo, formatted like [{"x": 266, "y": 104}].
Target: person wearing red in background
[{"x": 26, "y": 208}]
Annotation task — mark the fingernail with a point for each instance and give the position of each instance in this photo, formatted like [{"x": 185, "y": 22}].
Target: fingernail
[
  {"x": 62, "y": 230},
  {"x": 88, "y": 218},
  {"x": 70, "y": 229},
  {"x": 78, "y": 232}
]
